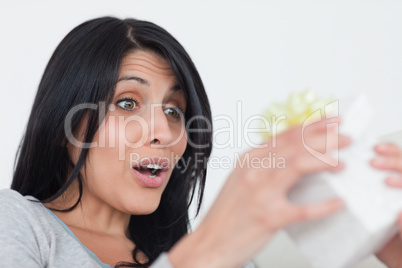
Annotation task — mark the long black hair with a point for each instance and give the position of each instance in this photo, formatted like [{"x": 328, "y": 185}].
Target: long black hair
[{"x": 84, "y": 69}]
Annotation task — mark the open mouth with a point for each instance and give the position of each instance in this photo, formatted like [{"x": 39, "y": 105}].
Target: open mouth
[{"x": 151, "y": 172}]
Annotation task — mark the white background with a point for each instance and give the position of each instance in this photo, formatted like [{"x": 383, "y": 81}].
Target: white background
[{"x": 255, "y": 52}]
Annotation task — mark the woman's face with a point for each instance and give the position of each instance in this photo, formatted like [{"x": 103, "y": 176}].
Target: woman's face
[{"x": 141, "y": 139}]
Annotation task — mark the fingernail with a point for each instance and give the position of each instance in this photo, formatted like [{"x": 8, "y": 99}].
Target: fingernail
[
  {"x": 394, "y": 179},
  {"x": 341, "y": 165},
  {"x": 379, "y": 161},
  {"x": 382, "y": 147},
  {"x": 339, "y": 203}
]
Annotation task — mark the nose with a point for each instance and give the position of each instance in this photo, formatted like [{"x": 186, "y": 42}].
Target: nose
[{"x": 161, "y": 133}]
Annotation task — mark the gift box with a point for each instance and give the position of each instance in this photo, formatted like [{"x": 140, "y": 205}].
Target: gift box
[{"x": 368, "y": 219}]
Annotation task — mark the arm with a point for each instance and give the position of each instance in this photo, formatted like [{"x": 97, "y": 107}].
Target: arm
[
  {"x": 253, "y": 203},
  {"x": 390, "y": 158}
]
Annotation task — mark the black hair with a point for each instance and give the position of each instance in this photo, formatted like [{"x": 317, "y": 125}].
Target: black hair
[{"x": 84, "y": 69}]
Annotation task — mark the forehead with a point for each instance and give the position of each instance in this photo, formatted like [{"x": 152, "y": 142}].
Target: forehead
[{"x": 147, "y": 62}]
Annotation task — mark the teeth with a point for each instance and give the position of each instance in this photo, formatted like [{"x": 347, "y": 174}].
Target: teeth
[{"x": 152, "y": 166}]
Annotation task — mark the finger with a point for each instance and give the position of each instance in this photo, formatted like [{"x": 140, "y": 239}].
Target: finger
[
  {"x": 290, "y": 179},
  {"x": 325, "y": 140},
  {"x": 326, "y": 163},
  {"x": 322, "y": 126},
  {"x": 388, "y": 149},
  {"x": 394, "y": 181},
  {"x": 387, "y": 162},
  {"x": 326, "y": 124},
  {"x": 316, "y": 211},
  {"x": 399, "y": 222},
  {"x": 316, "y": 162},
  {"x": 340, "y": 166},
  {"x": 321, "y": 136},
  {"x": 344, "y": 141}
]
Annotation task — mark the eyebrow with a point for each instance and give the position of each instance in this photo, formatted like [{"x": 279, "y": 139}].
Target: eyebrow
[
  {"x": 135, "y": 78},
  {"x": 142, "y": 81}
]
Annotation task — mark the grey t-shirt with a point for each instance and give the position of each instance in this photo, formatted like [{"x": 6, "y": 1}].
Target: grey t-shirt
[{"x": 32, "y": 236}]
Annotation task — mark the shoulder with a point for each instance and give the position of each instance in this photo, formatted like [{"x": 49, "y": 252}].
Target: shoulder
[
  {"x": 31, "y": 236},
  {"x": 11, "y": 200},
  {"x": 10, "y": 194},
  {"x": 13, "y": 203},
  {"x": 19, "y": 216},
  {"x": 20, "y": 235},
  {"x": 25, "y": 212},
  {"x": 16, "y": 210}
]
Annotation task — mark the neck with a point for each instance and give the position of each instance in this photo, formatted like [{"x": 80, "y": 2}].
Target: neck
[{"x": 91, "y": 214}]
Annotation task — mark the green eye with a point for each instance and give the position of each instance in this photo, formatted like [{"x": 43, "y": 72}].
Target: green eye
[
  {"x": 127, "y": 104},
  {"x": 174, "y": 112}
]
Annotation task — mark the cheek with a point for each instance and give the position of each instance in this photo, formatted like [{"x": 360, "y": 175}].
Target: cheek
[
  {"x": 106, "y": 150},
  {"x": 182, "y": 144},
  {"x": 119, "y": 132},
  {"x": 107, "y": 133},
  {"x": 179, "y": 136},
  {"x": 133, "y": 131}
]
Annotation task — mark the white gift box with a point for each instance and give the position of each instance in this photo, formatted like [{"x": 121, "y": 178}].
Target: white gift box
[{"x": 368, "y": 220}]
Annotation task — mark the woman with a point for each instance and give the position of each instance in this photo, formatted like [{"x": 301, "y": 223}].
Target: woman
[{"x": 113, "y": 153}]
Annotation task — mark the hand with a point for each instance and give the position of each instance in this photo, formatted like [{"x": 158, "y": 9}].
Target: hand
[
  {"x": 253, "y": 203},
  {"x": 390, "y": 158}
]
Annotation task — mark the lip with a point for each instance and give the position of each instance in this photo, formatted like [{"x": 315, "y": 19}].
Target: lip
[{"x": 147, "y": 181}]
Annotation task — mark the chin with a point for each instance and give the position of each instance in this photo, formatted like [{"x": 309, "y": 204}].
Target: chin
[
  {"x": 146, "y": 207},
  {"x": 145, "y": 211}
]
